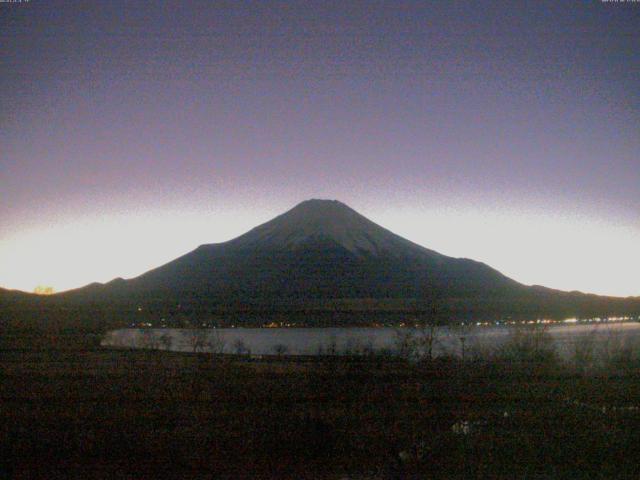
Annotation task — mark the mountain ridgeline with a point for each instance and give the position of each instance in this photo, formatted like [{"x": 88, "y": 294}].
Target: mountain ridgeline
[
  {"x": 319, "y": 249},
  {"x": 320, "y": 263}
]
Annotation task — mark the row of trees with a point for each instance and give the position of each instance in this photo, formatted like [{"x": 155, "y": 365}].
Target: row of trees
[
  {"x": 197, "y": 339},
  {"x": 531, "y": 343}
]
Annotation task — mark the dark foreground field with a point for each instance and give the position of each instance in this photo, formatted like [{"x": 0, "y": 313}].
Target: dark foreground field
[{"x": 71, "y": 410}]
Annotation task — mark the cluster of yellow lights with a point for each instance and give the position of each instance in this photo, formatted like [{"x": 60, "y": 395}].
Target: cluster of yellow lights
[{"x": 279, "y": 324}]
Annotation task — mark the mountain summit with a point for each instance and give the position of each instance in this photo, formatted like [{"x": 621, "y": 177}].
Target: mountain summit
[
  {"x": 318, "y": 249},
  {"x": 332, "y": 221}
]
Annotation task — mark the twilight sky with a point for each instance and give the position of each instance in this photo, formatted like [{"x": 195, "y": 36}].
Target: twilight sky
[{"x": 506, "y": 132}]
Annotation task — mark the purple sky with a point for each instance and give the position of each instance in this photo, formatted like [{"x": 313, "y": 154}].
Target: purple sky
[{"x": 508, "y": 132}]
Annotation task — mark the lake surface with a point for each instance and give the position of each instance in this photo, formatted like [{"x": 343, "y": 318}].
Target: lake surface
[{"x": 322, "y": 341}]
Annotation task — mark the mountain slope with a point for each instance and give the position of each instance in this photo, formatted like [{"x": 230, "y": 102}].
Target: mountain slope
[{"x": 318, "y": 249}]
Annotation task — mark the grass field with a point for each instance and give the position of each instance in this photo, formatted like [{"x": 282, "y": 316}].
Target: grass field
[{"x": 72, "y": 410}]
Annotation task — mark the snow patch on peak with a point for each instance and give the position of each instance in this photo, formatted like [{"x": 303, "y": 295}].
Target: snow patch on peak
[{"x": 330, "y": 220}]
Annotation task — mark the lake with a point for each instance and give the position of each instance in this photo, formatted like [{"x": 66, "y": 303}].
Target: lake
[{"x": 322, "y": 341}]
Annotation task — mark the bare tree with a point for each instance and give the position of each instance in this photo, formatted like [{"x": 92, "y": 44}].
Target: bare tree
[
  {"x": 332, "y": 348},
  {"x": 405, "y": 342},
  {"x": 197, "y": 339},
  {"x": 528, "y": 343},
  {"x": 280, "y": 349},
  {"x": 166, "y": 340},
  {"x": 217, "y": 342},
  {"x": 426, "y": 339},
  {"x": 240, "y": 347},
  {"x": 428, "y": 330},
  {"x": 148, "y": 339},
  {"x": 461, "y": 332},
  {"x": 351, "y": 347},
  {"x": 368, "y": 348}
]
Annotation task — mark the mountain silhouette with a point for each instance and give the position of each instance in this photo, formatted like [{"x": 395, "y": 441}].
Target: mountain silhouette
[
  {"x": 318, "y": 249},
  {"x": 319, "y": 264}
]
